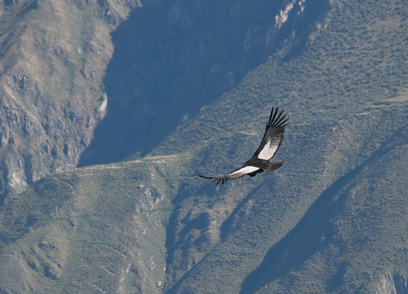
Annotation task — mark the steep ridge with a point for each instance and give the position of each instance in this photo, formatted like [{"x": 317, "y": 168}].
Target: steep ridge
[{"x": 53, "y": 60}]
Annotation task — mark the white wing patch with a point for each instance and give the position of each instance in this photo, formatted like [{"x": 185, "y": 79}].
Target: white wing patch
[
  {"x": 244, "y": 171},
  {"x": 270, "y": 148},
  {"x": 236, "y": 174}
]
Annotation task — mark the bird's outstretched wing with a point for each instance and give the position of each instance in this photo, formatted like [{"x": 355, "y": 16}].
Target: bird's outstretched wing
[
  {"x": 273, "y": 135},
  {"x": 235, "y": 174}
]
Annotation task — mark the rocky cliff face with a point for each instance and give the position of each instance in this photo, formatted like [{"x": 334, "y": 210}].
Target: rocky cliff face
[
  {"x": 393, "y": 284},
  {"x": 53, "y": 60}
]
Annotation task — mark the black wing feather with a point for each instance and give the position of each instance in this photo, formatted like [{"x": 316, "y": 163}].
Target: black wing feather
[{"x": 273, "y": 135}]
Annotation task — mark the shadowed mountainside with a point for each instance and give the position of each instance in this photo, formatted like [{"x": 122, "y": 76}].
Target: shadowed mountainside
[{"x": 173, "y": 57}]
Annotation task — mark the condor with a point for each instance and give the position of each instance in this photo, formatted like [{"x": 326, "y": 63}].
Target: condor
[{"x": 260, "y": 160}]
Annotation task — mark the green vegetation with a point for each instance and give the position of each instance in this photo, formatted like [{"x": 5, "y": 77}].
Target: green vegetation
[
  {"x": 91, "y": 230},
  {"x": 331, "y": 220}
]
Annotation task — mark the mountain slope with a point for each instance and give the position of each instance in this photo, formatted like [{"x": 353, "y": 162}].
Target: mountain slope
[
  {"x": 268, "y": 211},
  {"x": 341, "y": 114},
  {"x": 332, "y": 219},
  {"x": 347, "y": 230},
  {"x": 98, "y": 229}
]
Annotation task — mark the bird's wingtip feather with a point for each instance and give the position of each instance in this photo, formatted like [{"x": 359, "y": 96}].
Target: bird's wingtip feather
[{"x": 205, "y": 177}]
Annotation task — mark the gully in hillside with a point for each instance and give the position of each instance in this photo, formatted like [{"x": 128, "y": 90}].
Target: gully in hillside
[{"x": 260, "y": 160}]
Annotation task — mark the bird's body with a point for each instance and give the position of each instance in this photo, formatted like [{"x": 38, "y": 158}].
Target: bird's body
[{"x": 260, "y": 160}]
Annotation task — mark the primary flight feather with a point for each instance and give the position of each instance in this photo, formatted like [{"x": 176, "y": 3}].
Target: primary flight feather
[{"x": 259, "y": 162}]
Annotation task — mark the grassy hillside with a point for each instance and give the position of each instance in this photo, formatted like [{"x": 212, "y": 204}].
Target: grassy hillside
[
  {"x": 332, "y": 219},
  {"x": 98, "y": 229}
]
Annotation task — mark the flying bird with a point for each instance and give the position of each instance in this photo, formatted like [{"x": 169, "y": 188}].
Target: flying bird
[{"x": 259, "y": 162}]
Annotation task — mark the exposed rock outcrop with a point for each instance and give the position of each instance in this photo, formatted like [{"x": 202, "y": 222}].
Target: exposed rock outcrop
[{"x": 54, "y": 57}]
